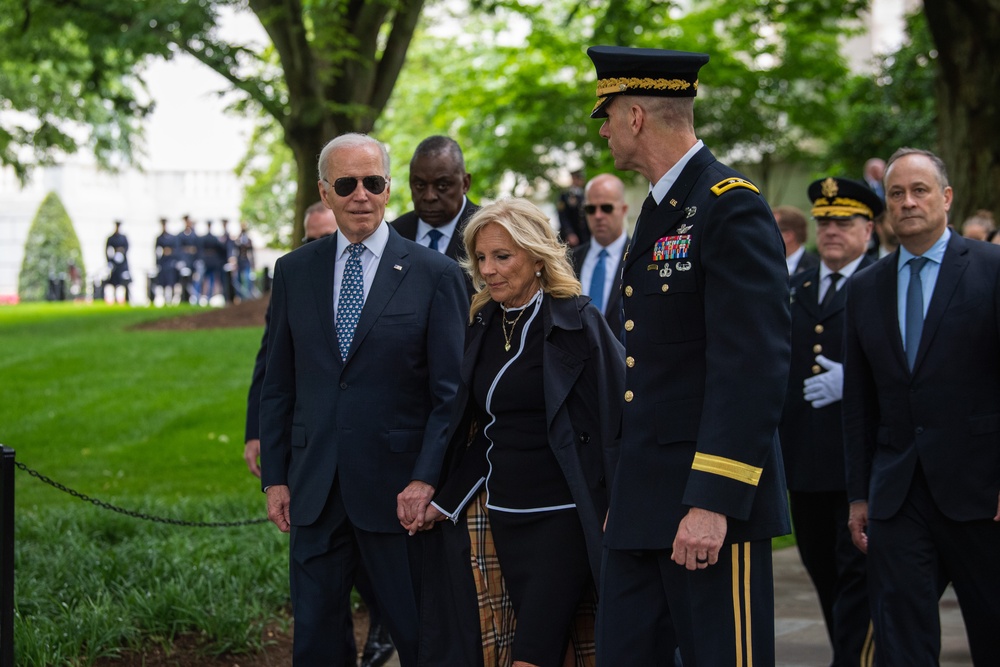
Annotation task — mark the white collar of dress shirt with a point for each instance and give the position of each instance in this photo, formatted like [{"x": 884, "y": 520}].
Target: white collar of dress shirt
[
  {"x": 845, "y": 271},
  {"x": 615, "y": 249},
  {"x": 662, "y": 186},
  {"x": 793, "y": 260},
  {"x": 935, "y": 253},
  {"x": 374, "y": 243}
]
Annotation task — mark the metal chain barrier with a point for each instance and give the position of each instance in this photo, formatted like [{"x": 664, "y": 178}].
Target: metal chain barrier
[{"x": 132, "y": 513}]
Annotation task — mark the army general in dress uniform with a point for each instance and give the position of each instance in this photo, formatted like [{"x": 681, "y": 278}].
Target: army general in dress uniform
[{"x": 699, "y": 490}]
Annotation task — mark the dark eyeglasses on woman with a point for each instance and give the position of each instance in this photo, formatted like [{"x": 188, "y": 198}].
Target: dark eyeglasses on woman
[
  {"x": 591, "y": 209},
  {"x": 346, "y": 185}
]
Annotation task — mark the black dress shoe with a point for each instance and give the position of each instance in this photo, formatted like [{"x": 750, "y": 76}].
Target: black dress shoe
[{"x": 378, "y": 647}]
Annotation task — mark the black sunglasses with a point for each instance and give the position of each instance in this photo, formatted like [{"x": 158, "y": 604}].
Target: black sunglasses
[
  {"x": 591, "y": 209},
  {"x": 346, "y": 185}
]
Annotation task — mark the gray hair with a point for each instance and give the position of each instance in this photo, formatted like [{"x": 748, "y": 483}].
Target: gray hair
[
  {"x": 942, "y": 172},
  {"x": 351, "y": 140}
]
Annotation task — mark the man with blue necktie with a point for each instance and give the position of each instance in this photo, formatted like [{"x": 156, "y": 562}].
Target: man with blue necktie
[
  {"x": 922, "y": 422},
  {"x": 598, "y": 261},
  {"x": 364, "y": 355}
]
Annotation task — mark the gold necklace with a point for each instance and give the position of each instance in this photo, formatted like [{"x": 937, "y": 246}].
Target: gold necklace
[{"x": 504, "y": 323}]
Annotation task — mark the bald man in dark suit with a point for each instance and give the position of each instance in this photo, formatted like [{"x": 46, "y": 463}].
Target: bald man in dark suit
[{"x": 598, "y": 262}]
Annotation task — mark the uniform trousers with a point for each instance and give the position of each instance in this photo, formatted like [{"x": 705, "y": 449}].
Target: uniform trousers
[
  {"x": 910, "y": 558},
  {"x": 722, "y": 615},
  {"x": 838, "y": 571}
]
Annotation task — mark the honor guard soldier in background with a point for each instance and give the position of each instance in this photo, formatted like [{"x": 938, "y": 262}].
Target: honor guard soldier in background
[
  {"x": 812, "y": 439},
  {"x": 119, "y": 278},
  {"x": 699, "y": 490},
  {"x": 243, "y": 251},
  {"x": 166, "y": 265},
  {"x": 189, "y": 266},
  {"x": 213, "y": 255}
]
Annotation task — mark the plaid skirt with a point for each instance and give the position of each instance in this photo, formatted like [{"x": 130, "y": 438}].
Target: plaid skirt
[{"x": 496, "y": 614}]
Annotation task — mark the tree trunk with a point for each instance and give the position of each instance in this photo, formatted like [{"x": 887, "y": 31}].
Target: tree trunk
[
  {"x": 967, "y": 36},
  {"x": 306, "y": 141}
]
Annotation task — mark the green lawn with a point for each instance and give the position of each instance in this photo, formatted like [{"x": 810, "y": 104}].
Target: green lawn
[
  {"x": 151, "y": 421},
  {"x": 124, "y": 413}
]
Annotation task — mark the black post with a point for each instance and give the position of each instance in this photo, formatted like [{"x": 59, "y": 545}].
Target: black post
[{"x": 7, "y": 557}]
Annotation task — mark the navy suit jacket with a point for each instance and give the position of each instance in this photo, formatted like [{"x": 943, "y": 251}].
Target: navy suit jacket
[
  {"x": 406, "y": 225},
  {"x": 812, "y": 439},
  {"x": 707, "y": 353},
  {"x": 945, "y": 413},
  {"x": 613, "y": 308},
  {"x": 808, "y": 260},
  {"x": 379, "y": 419}
]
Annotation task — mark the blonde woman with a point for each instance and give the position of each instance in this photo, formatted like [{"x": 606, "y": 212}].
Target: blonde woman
[{"x": 543, "y": 377}]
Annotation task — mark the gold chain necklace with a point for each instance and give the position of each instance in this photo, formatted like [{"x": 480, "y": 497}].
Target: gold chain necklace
[{"x": 504, "y": 323}]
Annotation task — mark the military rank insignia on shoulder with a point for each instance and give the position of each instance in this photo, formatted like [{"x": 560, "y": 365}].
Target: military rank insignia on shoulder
[{"x": 728, "y": 184}]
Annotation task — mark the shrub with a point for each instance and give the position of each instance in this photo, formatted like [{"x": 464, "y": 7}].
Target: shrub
[{"x": 51, "y": 248}]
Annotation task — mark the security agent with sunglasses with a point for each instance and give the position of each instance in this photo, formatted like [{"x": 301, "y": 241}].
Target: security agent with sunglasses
[
  {"x": 598, "y": 262},
  {"x": 364, "y": 352},
  {"x": 699, "y": 490},
  {"x": 811, "y": 430}
]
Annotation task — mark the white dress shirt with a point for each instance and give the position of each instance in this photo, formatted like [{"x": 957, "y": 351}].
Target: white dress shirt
[
  {"x": 793, "y": 260},
  {"x": 845, "y": 272},
  {"x": 374, "y": 247},
  {"x": 447, "y": 231}
]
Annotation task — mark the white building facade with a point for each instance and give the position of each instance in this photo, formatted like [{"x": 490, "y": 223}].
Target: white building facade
[{"x": 95, "y": 199}]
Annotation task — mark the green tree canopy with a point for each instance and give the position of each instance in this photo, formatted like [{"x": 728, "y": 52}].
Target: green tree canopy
[
  {"x": 52, "y": 247},
  {"x": 892, "y": 107}
]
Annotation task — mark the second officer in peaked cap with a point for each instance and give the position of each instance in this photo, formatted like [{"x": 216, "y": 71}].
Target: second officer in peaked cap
[{"x": 699, "y": 488}]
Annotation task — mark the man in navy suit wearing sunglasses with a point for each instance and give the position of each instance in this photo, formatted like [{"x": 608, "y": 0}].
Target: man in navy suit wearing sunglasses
[
  {"x": 364, "y": 351},
  {"x": 598, "y": 262}
]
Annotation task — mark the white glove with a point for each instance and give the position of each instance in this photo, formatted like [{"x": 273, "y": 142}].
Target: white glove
[{"x": 826, "y": 388}]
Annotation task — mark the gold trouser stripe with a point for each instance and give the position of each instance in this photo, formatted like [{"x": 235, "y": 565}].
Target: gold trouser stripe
[
  {"x": 746, "y": 603},
  {"x": 868, "y": 648},
  {"x": 744, "y": 636},
  {"x": 719, "y": 465},
  {"x": 736, "y": 604}
]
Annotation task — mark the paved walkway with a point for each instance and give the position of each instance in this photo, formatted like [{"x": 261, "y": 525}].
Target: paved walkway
[{"x": 800, "y": 635}]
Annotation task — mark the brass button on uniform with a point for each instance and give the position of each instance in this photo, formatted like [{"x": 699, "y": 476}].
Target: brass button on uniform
[
  {"x": 816, "y": 369},
  {"x": 628, "y": 290},
  {"x": 630, "y": 361},
  {"x": 819, "y": 328},
  {"x": 628, "y": 396},
  {"x": 629, "y": 325},
  {"x": 817, "y": 349},
  {"x": 664, "y": 288}
]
